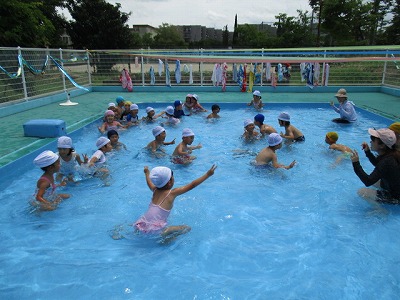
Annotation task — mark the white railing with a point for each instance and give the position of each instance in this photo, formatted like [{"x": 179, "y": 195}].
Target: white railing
[{"x": 27, "y": 73}]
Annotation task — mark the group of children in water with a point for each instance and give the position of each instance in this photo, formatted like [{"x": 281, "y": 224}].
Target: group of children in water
[{"x": 60, "y": 167}]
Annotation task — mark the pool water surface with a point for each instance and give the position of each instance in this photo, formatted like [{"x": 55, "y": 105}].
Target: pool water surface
[{"x": 257, "y": 233}]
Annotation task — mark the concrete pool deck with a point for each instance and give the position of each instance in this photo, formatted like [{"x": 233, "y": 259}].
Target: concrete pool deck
[{"x": 92, "y": 105}]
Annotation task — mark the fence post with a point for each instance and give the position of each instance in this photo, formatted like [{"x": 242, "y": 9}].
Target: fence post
[
  {"x": 88, "y": 67},
  {"x": 262, "y": 68},
  {"x": 141, "y": 63},
  {"x": 201, "y": 68},
  {"x": 323, "y": 70},
  {"x": 63, "y": 76},
  {"x": 22, "y": 73},
  {"x": 384, "y": 68}
]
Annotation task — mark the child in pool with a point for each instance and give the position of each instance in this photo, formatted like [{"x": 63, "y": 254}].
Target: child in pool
[
  {"x": 189, "y": 102},
  {"x": 111, "y": 106},
  {"x": 98, "y": 159},
  {"x": 268, "y": 155},
  {"x": 120, "y": 106},
  {"x": 127, "y": 110},
  {"x": 132, "y": 118},
  {"x": 182, "y": 152},
  {"x": 45, "y": 195},
  {"x": 69, "y": 159},
  {"x": 110, "y": 123},
  {"x": 113, "y": 136},
  {"x": 291, "y": 133},
  {"x": 249, "y": 135},
  {"x": 264, "y": 128},
  {"x": 395, "y": 127},
  {"x": 178, "y": 109},
  {"x": 215, "y": 110},
  {"x": 256, "y": 101},
  {"x": 331, "y": 139},
  {"x": 160, "y": 181},
  {"x": 171, "y": 120},
  {"x": 151, "y": 115},
  {"x": 196, "y": 105},
  {"x": 159, "y": 134}
]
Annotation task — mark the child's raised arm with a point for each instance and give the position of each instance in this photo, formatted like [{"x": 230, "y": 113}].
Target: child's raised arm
[
  {"x": 148, "y": 181},
  {"x": 194, "y": 183}
]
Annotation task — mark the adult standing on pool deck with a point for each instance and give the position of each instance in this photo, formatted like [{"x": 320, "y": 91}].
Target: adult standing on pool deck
[
  {"x": 387, "y": 168},
  {"x": 346, "y": 108}
]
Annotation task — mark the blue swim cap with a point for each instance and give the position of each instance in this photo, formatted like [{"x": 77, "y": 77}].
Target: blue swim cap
[
  {"x": 259, "y": 118},
  {"x": 120, "y": 99},
  {"x": 177, "y": 103}
]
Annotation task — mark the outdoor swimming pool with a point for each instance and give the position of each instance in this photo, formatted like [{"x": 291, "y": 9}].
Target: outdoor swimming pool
[{"x": 302, "y": 233}]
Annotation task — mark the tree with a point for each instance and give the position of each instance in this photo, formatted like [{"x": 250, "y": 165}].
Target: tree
[
  {"x": 26, "y": 23},
  {"x": 235, "y": 33},
  {"x": 345, "y": 22},
  {"x": 168, "y": 37},
  {"x": 392, "y": 31},
  {"x": 225, "y": 37},
  {"x": 248, "y": 36},
  {"x": 317, "y": 5},
  {"x": 293, "y": 31},
  {"x": 97, "y": 24}
]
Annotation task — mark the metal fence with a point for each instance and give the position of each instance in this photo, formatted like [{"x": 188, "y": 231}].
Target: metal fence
[{"x": 27, "y": 73}]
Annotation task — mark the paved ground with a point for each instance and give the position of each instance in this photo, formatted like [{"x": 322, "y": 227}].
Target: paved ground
[{"x": 92, "y": 105}]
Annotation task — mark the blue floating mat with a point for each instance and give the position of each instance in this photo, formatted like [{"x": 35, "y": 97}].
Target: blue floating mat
[{"x": 44, "y": 128}]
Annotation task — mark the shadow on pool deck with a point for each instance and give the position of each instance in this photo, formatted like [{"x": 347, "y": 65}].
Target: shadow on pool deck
[{"x": 92, "y": 105}]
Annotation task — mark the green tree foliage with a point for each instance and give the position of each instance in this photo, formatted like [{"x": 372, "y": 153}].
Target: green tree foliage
[
  {"x": 248, "y": 36},
  {"x": 98, "y": 24},
  {"x": 29, "y": 24},
  {"x": 235, "y": 33},
  {"x": 393, "y": 33},
  {"x": 168, "y": 37},
  {"x": 293, "y": 31},
  {"x": 343, "y": 21},
  {"x": 225, "y": 37}
]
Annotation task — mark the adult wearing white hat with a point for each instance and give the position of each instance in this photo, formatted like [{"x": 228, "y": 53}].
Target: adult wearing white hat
[
  {"x": 45, "y": 195},
  {"x": 387, "y": 167},
  {"x": 346, "y": 108},
  {"x": 160, "y": 180}
]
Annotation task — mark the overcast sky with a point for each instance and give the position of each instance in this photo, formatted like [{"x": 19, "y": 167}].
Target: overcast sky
[{"x": 209, "y": 13}]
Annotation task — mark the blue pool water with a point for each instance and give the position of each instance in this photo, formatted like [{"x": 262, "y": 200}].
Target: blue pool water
[{"x": 302, "y": 233}]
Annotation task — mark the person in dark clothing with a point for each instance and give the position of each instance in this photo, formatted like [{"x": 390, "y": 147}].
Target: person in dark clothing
[{"x": 387, "y": 168}]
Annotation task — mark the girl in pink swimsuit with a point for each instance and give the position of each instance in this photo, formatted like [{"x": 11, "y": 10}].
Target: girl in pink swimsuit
[
  {"x": 45, "y": 195},
  {"x": 161, "y": 180}
]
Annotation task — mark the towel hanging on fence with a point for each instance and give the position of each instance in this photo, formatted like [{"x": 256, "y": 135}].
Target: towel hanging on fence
[
  {"x": 268, "y": 71},
  {"x": 152, "y": 76},
  {"x": 178, "y": 75},
  {"x": 160, "y": 67},
  {"x": 190, "y": 74},
  {"x": 224, "y": 71},
  {"x": 167, "y": 75},
  {"x": 126, "y": 80},
  {"x": 325, "y": 76}
]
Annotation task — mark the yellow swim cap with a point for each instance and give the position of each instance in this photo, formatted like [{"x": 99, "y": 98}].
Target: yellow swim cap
[
  {"x": 128, "y": 103},
  {"x": 333, "y": 136},
  {"x": 395, "y": 127}
]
